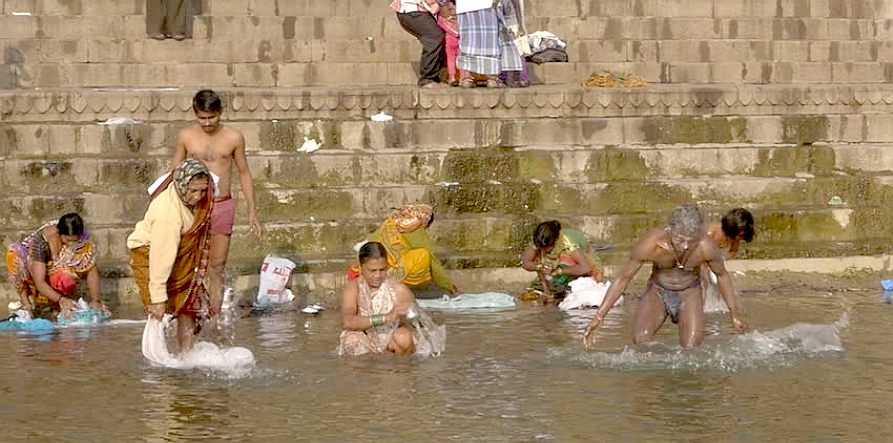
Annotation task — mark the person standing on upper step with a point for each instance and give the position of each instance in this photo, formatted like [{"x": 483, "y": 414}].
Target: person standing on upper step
[
  {"x": 486, "y": 47},
  {"x": 218, "y": 146},
  {"x": 167, "y": 19},
  {"x": 417, "y": 17}
]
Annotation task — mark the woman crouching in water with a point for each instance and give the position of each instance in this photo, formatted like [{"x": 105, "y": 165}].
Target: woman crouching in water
[
  {"x": 372, "y": 307},
  {"x": 379, "y": 313}
]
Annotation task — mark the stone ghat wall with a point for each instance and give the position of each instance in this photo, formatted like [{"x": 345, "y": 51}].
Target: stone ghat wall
[
  {"x": 811, "y": 161},
  {"x": 289, "y": 43}
]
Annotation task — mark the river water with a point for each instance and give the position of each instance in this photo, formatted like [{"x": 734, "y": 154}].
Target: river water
[{"x": 817, "y": 368}]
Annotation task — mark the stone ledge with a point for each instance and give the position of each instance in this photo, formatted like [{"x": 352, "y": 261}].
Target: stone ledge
[{"x": 358, "y": 103}]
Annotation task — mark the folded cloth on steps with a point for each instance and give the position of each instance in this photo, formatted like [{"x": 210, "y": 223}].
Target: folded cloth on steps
[
  {"x": 470, "y": 301},
  {"x": 585, "y": 292}
]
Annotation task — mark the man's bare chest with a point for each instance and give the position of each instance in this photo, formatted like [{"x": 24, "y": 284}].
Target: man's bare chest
[{"x": 210, "y": 151}]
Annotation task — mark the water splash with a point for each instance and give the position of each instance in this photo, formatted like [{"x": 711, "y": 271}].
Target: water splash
[
  {"x": 771, "y": 349},
  {"x": 234, "y": 362}
]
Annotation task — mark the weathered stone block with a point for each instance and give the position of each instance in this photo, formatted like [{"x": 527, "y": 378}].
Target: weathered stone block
[
  {"x": 20, "y": 26},
  {"x": 255, "y": 74},
  {"x": 296, "y": 74},
  {"x": 8, "y": 76},
  {"x": 878, "y": 128},
  {"x": 189, "y": 51},
  {"x": 695, "y": 28},
  {"x": 747, "y": 27},
  {"x": 555, "y": 8},
  {"x": 690, "y": 72},
  {"x": 764, "y": 129},
  {"x": 351, "y": 28},
  {"x": 108, "y": 7},
  {"x": 846, "y": 128},
  {"x": 238, "y": 8},
  {"x": 674, "y": 8},
  {"x": 608, "y": 8},
  {"x": 599, "y": 50},
  {"x": 10, "y": 6},
  {"x": 364, "y": 51},
  {"x": 750, "y": 8},
  {"x": 295, "y": 8},
  {"x": 858, "y": 72}
]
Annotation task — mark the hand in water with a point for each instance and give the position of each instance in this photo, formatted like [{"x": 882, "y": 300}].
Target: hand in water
[
  {"x": 156, "y": 310},
  {"x": 67, "y": 306},
  {"x": 589, "y": 334},
  {"x": 739, "y": 325},
  {"x": 98, "y": 305}
]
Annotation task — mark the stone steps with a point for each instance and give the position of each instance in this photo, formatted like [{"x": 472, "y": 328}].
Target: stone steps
[
  {"x": 268, "y": 44},
  {"x": 762, "y": 168},
  {"x": 555, "y": 8},
  {"x": 384, "y": 72},
  {"x": 495, "y": 241}
]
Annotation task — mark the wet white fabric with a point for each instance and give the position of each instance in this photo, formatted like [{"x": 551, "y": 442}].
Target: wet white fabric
[
  {"x": 154, "y": 344},
  {"x": 202, "y": 355},
  {"x": 586, "y": 293},
  {"x": 430, "y": 337},
  {"x": 470, "y": 301}
]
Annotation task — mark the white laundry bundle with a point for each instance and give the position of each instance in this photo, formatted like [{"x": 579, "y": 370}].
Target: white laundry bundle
[
  {"x": 234, "y": 360},
  {"x": 585, "y": 293},
  {"x": 154, "y": 344}
]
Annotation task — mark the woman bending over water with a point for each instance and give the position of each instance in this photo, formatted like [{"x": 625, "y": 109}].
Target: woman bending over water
[{"x": 47, "y": 265}]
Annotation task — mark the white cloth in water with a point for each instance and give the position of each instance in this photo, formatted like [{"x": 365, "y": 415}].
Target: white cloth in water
[
  {"x": 585, "y": 292},
  {"x": 202, "y": 355},
  {"x": 470, "y": 301},
  {"x": 154, "y": 344},
  {"x": 432, "y": 337}
]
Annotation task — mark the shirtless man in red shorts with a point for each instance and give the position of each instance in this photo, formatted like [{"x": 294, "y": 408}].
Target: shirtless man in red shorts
[{"x": 218, "y": 147}]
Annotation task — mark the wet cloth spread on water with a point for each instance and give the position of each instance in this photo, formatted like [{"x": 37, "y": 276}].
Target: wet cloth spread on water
[{"x": 428, "y": 337}]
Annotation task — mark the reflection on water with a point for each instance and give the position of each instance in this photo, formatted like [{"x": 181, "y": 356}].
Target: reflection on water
[{"x": 814, "y": 368}]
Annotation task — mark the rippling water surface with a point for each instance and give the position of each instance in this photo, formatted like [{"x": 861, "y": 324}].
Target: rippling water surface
[{"x": 816, "y": 368}]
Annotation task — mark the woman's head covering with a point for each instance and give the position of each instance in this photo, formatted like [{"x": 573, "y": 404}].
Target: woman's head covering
[
  {"x": 185, "y": 172},
  {"x": 413, "y": 216}
]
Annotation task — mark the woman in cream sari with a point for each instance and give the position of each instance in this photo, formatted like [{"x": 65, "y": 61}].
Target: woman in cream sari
[{"x": 169, "y": 249}]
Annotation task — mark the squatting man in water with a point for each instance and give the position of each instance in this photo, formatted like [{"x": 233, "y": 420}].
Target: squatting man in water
[{"x": 676, "y": 253}]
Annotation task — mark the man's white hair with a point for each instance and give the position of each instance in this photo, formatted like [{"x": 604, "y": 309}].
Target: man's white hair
[{"x": 686, "y": 220}]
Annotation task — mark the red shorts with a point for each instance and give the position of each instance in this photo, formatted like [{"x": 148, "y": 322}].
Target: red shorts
[{"x": 223, "y": 215}]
